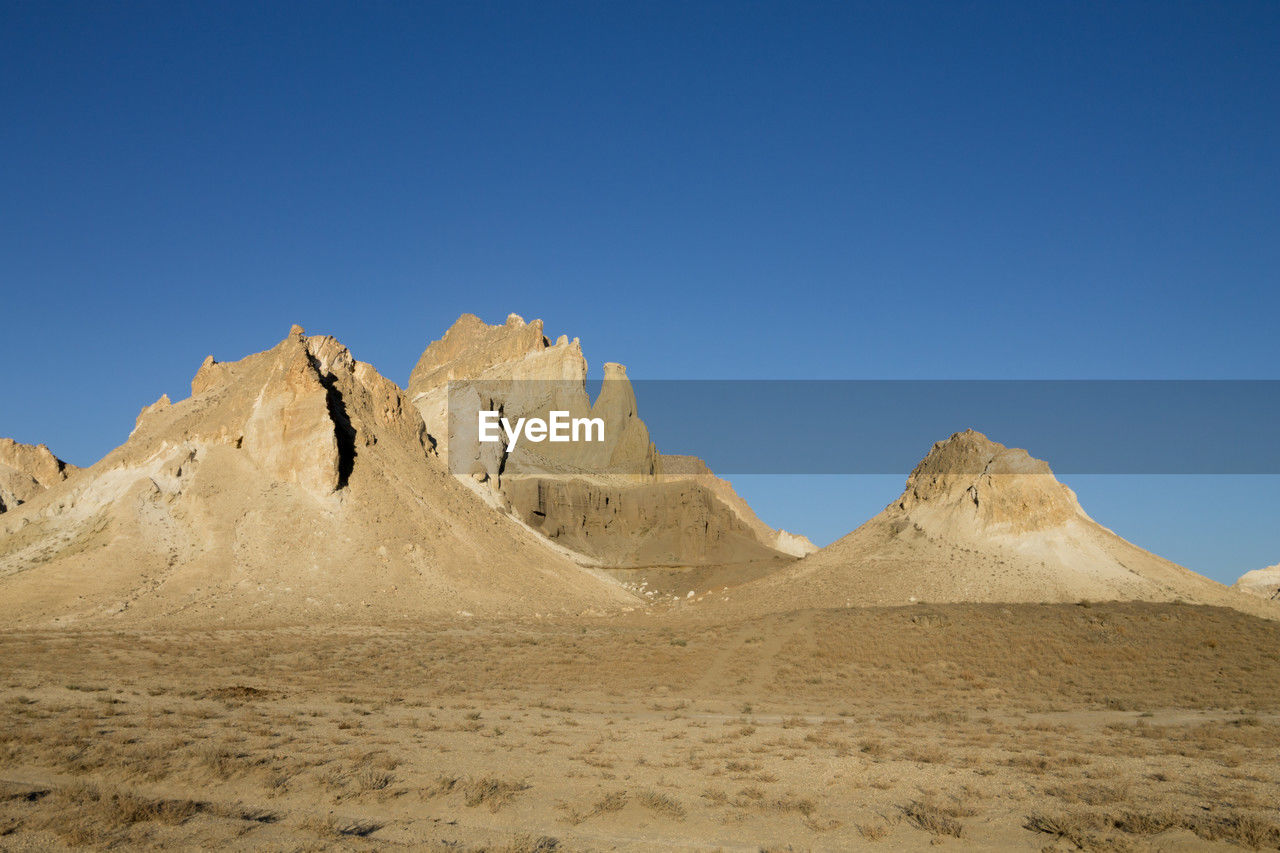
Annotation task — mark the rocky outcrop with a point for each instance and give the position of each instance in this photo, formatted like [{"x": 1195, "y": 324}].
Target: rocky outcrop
[
  {"x": 472, "y": 349},
  {"x": 26, "y": 470},
  {"x": 147, "y": 411},
  {"x": 294, "y": 485},
  {"x": 516, "y": 369},
  {"x": 210, "y": 375},
  {"x": 971, "y": 482},
  {"x": 627, "y": 447},
  {"x": 979, "y": 521},
  {"x": 297, "y": 431},
  {"x": 1264, "y": 583},
  {"x": 611, "y": 502}
]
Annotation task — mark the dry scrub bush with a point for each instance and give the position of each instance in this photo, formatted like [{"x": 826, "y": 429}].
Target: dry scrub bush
[
  {"x": 88, "y": 815},
  {"x": 1244, "y": 828},
  {"x": 608, "y": 803},
  {"x": 934, "y": 818},
  {"x": 373, "y": 779},
  {"x": 660, "y": 803},
  {"x": 491, "y": 790},
  {"x": 1079, "y": 828},
  {"x": 1074, "y": 827},
  {"x": 441, "y": 786}
]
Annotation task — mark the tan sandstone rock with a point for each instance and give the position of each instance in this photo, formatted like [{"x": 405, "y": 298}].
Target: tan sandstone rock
[
  {"x": 27, "y": 470},
  {"x": 1264, "y": 583},
  {"x": 295, "y": 432}
]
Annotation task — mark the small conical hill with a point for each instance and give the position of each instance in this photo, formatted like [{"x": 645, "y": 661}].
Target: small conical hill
[{"x": 979, "y": 521}]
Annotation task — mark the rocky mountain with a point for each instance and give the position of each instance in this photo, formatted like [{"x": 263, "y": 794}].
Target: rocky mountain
[
  {"x": 619, "y": 503},
  {"x": 1261, "y": 582},
  {"x": 980, "y": 522},
  {"x": 294, "y": 485},
  {"x": 27, "y": 470}
]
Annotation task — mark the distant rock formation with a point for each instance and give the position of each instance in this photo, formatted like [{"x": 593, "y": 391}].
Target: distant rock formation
[
  {"x": 294, "y": 485},
  {"x": 516, "y": 369},
  {"x": 1264, "y": 583},
  {"x": 978, "y": 521},
  {"x": 27, "y": 470},
  {"x": 614, "y": 502},
  {"x": 971, "y": 484}
]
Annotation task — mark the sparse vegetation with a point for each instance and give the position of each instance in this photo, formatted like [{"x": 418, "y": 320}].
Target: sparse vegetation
[
  {"x": 660, "y": 803},
  {"x": 491, "y": 791},
  {"x": 934, "y": 819},
  {"x": 670, "y": 742}
]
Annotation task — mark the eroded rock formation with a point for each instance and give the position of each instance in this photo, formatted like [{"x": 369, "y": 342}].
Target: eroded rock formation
[
  {"x": 612, "y": 501},
  {"x": 26, "y": 470},
  {"x": 294, "y": 485}
]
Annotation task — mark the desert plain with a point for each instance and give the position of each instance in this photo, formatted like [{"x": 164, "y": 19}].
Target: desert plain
[{"x": 1099, "y": 727}]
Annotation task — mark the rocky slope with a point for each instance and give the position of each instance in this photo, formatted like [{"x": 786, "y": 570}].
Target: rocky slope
[
  {"x": 614, "y": 503},
  {"x": 980, "y": 522},
  {"x": 294, "y": 485},
  {"x": 1261, "y": 582},
  {"x": 680, "y": 467},
  {"x": 27, "y": 470}
]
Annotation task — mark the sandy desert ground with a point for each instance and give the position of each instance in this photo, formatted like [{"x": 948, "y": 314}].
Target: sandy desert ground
[{"x": 1101, "y": 727}]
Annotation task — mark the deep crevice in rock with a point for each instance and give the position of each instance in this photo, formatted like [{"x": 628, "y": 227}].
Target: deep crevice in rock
[{"x": 343, "y": 431}]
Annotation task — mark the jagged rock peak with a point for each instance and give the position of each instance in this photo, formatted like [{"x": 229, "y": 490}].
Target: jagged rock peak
[
  {"x": 158, "y": 406},
  {"x": 212, "y": 374},
  {"x": 969, "y": 454},
  {"x": 37, "y": 460},
  {"x": 318, "y": 405},
  {"x": 26, "y": 470},
  {"x": 1001, "y": 485},
  {"x": 294, "y": 429},
  {"x": 471, "y": 347},
  {"x": 298, "y": 411}
]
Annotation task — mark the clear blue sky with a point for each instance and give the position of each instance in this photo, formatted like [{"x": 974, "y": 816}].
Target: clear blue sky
[{"x": 736, "y": 190}]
